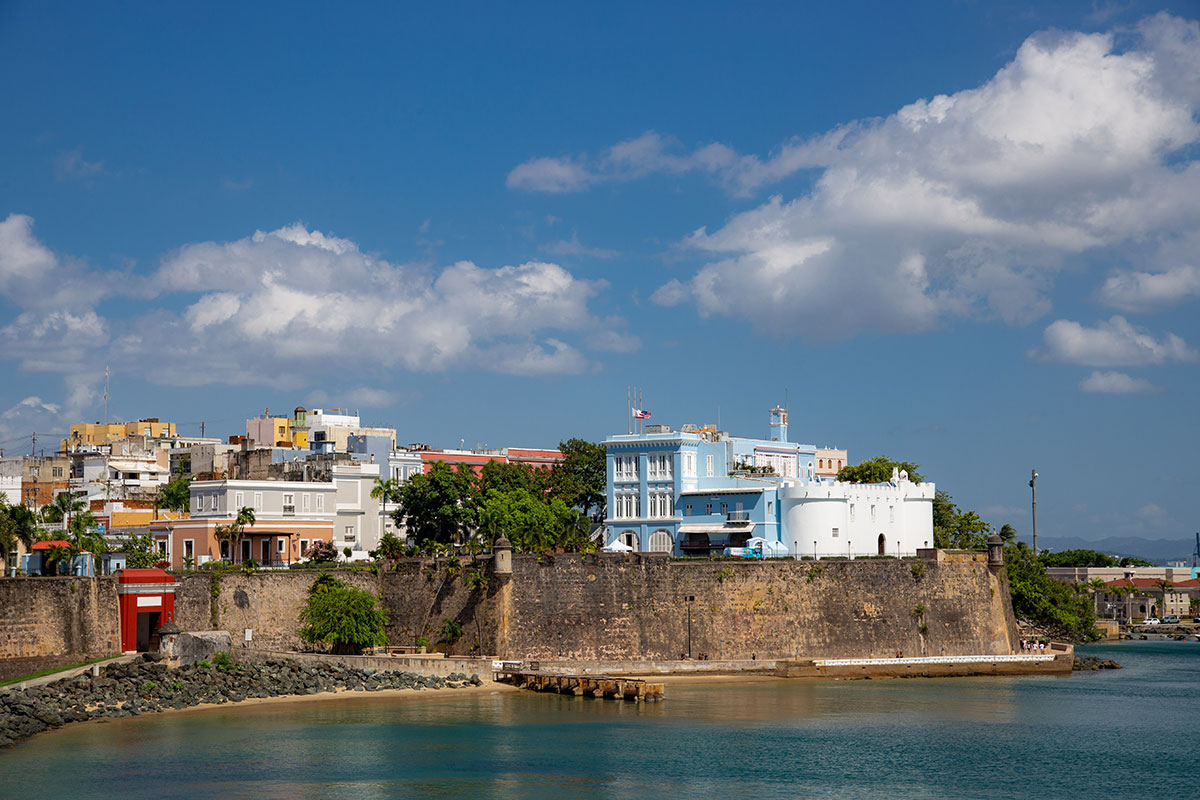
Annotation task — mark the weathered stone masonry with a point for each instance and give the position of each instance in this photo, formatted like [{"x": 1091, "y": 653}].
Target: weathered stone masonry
[{"x": 610, "y": 607}]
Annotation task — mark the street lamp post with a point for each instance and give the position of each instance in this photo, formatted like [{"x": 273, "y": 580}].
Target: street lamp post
[{"x": 1033, "y": 488}]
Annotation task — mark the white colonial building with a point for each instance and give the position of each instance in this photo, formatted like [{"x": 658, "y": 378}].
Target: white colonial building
[{"x": 848, "y": 519}]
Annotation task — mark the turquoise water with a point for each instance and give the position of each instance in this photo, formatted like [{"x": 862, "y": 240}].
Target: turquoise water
[{"x": 1129, "y": 733}]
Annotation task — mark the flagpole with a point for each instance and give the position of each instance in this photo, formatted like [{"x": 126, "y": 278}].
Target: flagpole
[{"x": 629, "y": 410}]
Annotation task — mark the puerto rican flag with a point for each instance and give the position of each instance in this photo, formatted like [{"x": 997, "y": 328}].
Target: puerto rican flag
[{"x": 639, "y": 413}]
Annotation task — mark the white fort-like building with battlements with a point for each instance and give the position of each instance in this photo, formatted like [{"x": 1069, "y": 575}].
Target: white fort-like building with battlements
[{"x": 698, "y": 490}]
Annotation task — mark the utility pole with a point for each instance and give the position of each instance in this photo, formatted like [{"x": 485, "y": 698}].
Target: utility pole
[
  {"x": 106, "y": 400},
  {"x": 1033, "y": 488},
  {"x": 202, "y": 429},
  {"x": 33, "y": 448}
]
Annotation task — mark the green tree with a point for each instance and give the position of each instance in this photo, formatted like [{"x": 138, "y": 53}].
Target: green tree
[
  {"x": 18, "y": 526},
  {"x": 506, "y": 477},
  {"x": 1041, "y": 599},
  {"x": 175, "y": 495},
  {"x": 580, "y": 479},
  {"x": 1077, "y": 558},
  {"x": 385, "y": 490},
  {"x": 63, "y": 508},
  {"x": 438, "y": 506},
  {"x": 344, "y": 618},
  {"x": 532, "y": 524},
  {"x": 1008, "y": 534},
  {"x": 140, "y": 551},
  {"x": 878, "y": 470},
  {"x": 233, "y": 532}
]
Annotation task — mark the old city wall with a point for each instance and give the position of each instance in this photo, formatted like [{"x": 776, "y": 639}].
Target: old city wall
[
  {"x": 600, "y": 607},
  {"x": 266, "y": 603},
  {"x": 58, "y": 619},
  {"x": 615, "y": 607}
]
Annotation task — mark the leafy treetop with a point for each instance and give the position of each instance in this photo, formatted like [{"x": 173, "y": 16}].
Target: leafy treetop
[{"x": 878, "y": 470}]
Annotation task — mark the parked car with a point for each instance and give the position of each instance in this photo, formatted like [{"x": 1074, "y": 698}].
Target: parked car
[
  {"x": 1152, "y": 621},
  {"x": 1170, "y": 620}
]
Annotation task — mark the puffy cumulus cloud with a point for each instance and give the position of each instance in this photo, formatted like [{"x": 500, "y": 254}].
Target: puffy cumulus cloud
[
  {"x": 1150, "y": 291},
  {"x": 49, "y": 418},
  {"x": 1108, "y": 382},
  {"x": 959, "y": 205},
  {"x": 292, "y": 306},
  {"x": 1114, "y": 343},
  {"x": 33, "y": 276},
  {"x": 55, "y": 341}
]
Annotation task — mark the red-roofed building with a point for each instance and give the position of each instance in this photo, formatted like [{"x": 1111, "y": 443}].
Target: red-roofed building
[
  {"x": 1139, "y": 598},
  {"x": 534, "y": 457}
]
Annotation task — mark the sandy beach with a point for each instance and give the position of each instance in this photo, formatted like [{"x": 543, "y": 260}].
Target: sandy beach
[{"x": 340, "y": 696}]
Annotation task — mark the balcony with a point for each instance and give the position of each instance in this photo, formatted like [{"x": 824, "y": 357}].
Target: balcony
[
  {"x": 289, "y": 510},
  {"x": 737, "y": 518}
]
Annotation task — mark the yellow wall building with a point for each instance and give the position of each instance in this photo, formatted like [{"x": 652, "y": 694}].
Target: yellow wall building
[{"x": 84, "y": 434}]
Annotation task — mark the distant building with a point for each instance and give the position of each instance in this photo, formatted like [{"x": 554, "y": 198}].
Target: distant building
[
  {"x": 97, "y": 434},
  {"x": 290, "y": 516},
  {"x": 268, "y": 431},
  {"x": 699, "y": 490},
  {"x": 829, "y": 461}
]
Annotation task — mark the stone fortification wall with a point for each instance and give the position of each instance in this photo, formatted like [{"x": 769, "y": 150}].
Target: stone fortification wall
[
  {"x": 615, "y": 607},
  {"x": 268, "y": 603},
  {"x": 57, "y": 619},
  {"x": 608, "y": 607}
]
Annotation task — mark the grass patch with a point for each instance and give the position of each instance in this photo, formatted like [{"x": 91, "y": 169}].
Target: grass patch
[{"x": 53, "y": 670}]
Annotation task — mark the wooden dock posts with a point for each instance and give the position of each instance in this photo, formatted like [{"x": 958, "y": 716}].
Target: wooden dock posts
[{"x": 530, "y": 676}]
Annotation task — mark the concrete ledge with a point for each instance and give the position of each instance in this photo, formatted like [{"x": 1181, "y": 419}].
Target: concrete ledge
[
  {"x": 439, "y": 665},
  {"x": 946, "y": 666}
]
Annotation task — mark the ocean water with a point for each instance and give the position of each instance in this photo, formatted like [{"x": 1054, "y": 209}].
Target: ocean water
[{"x": 1129, "y": 733}]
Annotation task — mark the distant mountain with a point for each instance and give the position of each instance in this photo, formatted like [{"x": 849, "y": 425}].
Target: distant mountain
[{"x": 1160, "y": 551}]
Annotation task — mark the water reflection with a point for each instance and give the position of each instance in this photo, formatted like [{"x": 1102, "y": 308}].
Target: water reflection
[{"x": 977, "y": 737}]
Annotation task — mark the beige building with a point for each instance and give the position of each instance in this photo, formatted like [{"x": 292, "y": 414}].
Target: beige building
[
  {"x": 828, "y": 461},
  {"x": 94, "y": 435}
]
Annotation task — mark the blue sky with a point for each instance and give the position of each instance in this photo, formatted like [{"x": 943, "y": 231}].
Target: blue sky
[{"x": 963, "y": 234}]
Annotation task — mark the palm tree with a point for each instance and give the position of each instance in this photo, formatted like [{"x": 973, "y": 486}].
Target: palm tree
[
  {"x": 64, "y": 506},
  {"x": 385, "y": 491},
  {"x": 1164, "y": 586},
  {"x": 232, "y": 533},
  {"x": 18, "y": 526}
]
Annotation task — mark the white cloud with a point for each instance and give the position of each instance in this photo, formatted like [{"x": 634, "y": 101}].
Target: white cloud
[
  {"x": 72, "y": 164},
  {"x": 573, "y": 247},
  {"x": 50, "y": 420},
  {"x": 33, "y": 276},
  {"x": 1116, "y": 383},
  {"x": 1114, "y": 343},
  {"x": 359, "y": 397},
  {"x": 290, "y": 307},
  {"x": 959, "y": 205},
  {"x": 1150, "y": 291}
]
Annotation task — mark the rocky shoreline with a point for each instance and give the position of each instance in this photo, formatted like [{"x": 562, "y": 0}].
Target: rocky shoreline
[
  {"x": 1091, "y": 664},
  {"x": 126, "y": 690}
]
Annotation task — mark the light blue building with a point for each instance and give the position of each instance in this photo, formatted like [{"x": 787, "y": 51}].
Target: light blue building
[{"x": 698, "y": 490}]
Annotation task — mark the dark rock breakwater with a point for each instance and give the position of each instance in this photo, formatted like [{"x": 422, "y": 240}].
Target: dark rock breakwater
[{"x": 126, "y": 690}]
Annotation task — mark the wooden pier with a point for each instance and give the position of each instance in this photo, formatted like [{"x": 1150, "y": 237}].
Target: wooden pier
[{"x": 529, "y": 675}]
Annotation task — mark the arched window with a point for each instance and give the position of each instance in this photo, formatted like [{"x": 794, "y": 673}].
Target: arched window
[
  {"x": 631, "y": 539},
  {"x": 660, "y": 542}
]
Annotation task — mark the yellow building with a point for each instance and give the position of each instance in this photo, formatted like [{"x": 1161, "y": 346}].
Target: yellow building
[
  {"x": 83, "y": 434},
  {"x": 268, "y": 431}
]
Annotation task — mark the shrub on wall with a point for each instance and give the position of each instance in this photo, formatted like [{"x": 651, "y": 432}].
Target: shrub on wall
[{"x": 343, "y": 618}]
